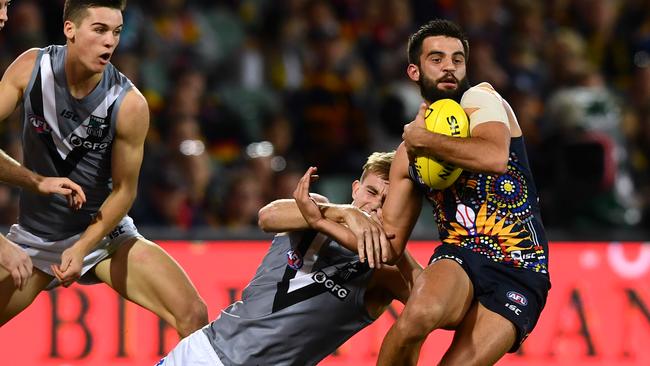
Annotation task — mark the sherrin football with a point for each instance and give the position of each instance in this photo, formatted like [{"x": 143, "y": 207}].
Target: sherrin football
[{"x": 446, "y": 117}]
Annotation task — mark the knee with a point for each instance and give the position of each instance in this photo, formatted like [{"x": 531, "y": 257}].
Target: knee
[
  {"x": 416, "y": 322},
  {"x": 193, "y": 318}
]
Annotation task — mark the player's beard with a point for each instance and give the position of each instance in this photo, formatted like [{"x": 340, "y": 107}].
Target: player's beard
[{"x": 430, "y": 91}]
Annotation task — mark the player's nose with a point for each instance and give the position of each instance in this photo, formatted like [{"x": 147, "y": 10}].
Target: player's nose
[
  {"x": 375, "y": 204},
  {"x": 448, "y": 65}
]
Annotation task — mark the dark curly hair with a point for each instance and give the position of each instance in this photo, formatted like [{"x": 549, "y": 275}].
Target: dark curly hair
[{"x": 436, "y": 27}]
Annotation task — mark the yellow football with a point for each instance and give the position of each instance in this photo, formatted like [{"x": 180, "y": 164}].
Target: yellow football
[{"x": 446, "y": 117}]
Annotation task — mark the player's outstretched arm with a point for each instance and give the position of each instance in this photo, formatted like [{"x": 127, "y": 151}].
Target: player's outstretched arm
[
  {"x": 314, "y": 216},
  {"x": 127, "y": 153},
  {"x": 402, "y": 207},
  {"x": 367, "y": 245},
  {"x": 307, "y": 211},
  {"x": 284, "y": 215}
]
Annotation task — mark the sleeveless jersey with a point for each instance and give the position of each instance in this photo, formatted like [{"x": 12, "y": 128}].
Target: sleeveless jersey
[
  {"x": 67, "y": 137},
  {"x": 496, "y": 216},
  {"x": 305, "y": 300}
]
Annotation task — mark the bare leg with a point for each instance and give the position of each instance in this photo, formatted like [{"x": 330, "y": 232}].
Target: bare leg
[
  {"x": 144, "y": 273},
  {"x": 13, "y": 301},
  {"x": 481, "y": 339},
  {"x": 441, "y": 296}
]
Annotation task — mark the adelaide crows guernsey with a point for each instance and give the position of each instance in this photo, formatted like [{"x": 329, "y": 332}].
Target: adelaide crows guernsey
[
  {"x": 497, "y": 216},
  {"x": 305, "y": 300},
  {"x": 67, "y": 137}
]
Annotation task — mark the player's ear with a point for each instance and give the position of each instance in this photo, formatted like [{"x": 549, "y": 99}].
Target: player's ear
[
  {"x": 413, "y": 71},
  {"x": 69, "y": 30},
  {"x": 355, "y": 188}
]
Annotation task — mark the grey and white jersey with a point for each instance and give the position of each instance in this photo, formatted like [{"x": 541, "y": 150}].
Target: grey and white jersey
[
  {"x": 67, "y": 137},
  {"x": 305, "y": 300}
]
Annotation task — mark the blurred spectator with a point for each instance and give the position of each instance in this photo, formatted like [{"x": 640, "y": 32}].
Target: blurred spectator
[
  {"x": 284, "y": 184},
  {"x": 327, "y": 112},
  {"x": 594, "y": 183},
  {"x": 606, "y": 48},
  {"x": 175, "y": 178},
  {"x": 167, "y": 202},
  {"x": 238, "y": 207},
  {"x": 27, "y": 26}
]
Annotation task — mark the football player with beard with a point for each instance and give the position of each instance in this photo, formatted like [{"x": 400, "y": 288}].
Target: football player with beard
[{"x": 488, "y": 280}]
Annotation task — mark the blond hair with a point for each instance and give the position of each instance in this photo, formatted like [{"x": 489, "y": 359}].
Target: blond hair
[{"x": 378, "y": 163}]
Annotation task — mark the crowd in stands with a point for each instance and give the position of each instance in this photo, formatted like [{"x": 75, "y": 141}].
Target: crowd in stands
[{"x": 246, "y": 94}]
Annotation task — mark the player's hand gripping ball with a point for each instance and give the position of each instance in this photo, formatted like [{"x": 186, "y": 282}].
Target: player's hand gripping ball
[{"x": 446, "y": 117}]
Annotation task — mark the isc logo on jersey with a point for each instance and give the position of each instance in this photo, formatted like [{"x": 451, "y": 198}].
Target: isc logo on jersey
[{"x": 334, "y": 288}]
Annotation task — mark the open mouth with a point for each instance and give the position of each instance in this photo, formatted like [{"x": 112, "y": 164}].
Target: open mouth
[
  {"x": 105, "y": 56},
  {"x": 448, "y": 82}
]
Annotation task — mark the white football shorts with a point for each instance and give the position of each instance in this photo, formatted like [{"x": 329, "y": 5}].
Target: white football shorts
[
  {"x": 193, "y": 350},
  {"x": 44, "y": 253}
]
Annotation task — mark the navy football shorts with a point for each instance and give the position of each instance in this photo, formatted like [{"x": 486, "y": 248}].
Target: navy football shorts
[{"x": 517, "y": 294}]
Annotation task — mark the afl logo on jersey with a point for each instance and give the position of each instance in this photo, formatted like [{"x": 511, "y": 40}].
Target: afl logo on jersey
[
  {"x": 39, "y": 123},
  {"x": 517, "y": 297},
  {"x": 294, "y": 259}
]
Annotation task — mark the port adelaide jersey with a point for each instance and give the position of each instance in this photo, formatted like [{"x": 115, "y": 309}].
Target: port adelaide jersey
[
  {"x": 67, "y": 137},
  {"x": 305, "y": 300}
]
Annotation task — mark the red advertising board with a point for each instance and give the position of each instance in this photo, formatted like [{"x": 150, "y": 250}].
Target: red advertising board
[{"x": 598, "y": 313}]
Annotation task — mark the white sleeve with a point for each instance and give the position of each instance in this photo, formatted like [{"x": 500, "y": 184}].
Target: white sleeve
[{"x": 487, "y": 106}]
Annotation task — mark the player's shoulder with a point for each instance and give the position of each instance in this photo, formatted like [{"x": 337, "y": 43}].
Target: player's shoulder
[
  {"x": 481, "y": 90},
  {"x": 133, "y": 116},
  {"x": 21, "y": 68},
  {"x": 480, "y": 96},
  {"x": 29, "y": 55},
  {"x": 135, "y": 101}
]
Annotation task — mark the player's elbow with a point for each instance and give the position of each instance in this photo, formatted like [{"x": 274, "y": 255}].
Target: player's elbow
[
  {"x": 264, "y": 219},
  {"x": 494, "y": 164},
  {"x": 499, "y": 167}
]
